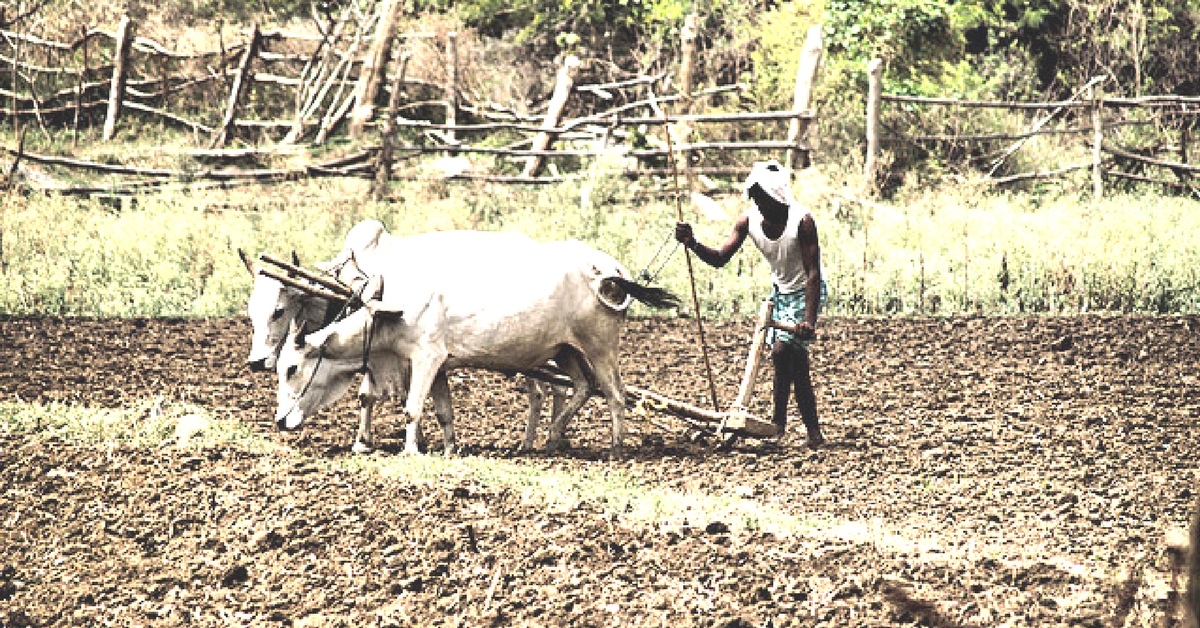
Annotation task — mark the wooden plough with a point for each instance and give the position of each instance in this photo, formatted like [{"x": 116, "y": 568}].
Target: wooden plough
[{"x": 737, "y": 421}]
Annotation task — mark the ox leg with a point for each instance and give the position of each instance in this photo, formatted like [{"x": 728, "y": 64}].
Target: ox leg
[
  {"x": 536, "y": 396},
  {"x": 425, "y": 368},
  {"x": 442, "y": 408},
  {"x": 608, "y": 379},
  {"x": 580, "y": 391},
  {"x": 363, "y": 443}
]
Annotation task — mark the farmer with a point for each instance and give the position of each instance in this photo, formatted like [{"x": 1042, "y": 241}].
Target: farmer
[{"x": 786, "y": 235}]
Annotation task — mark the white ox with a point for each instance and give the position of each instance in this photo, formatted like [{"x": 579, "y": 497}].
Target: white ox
[
  {"x": 508, "y": 309},
  {"x": 275, "y": 308}
]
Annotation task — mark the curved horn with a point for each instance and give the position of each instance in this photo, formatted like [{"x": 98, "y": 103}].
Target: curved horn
[{"x": 248, "y": 262}]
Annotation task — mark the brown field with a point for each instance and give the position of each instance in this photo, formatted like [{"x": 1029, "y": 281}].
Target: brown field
[{"x": 980, "y": 472}]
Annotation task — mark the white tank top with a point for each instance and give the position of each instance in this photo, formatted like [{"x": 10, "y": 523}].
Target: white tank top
[{"x": 783, "y": 255}]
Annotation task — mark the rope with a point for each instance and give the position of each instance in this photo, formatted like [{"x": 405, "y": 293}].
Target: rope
[{"x": 646, "y": 275}]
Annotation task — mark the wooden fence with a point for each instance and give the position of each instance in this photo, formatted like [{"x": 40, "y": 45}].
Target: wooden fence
[
  {"x": 1105, "y": 124},
  {"x": 282, "y": 89}
]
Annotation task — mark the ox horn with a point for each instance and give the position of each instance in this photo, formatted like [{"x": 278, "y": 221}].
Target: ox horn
[{"x": 247, "y": 262}]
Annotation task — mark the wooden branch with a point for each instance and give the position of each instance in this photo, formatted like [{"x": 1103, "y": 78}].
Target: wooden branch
[
  {"x": 239, "y": 88},
  {"x": 1042, "y": 174},
  {"x": 69, "y": 162},
  {"x": 194, "y": 126},
  {"x": 634, "y": 82},
  {"x": 125, "y": 34},
  {"x": 985, "y": 104},
  {"x": 806, "y": 80},
  {"x": 337, "y": 167},
  {"x": 1144, "y": 179},
  {"x": 1173, "y": 165},
  {"x": 54, "y": 45},
  {"x": 570, "y": 125},
  {"x": 558, "y": 103},
  {"x": 374, "y": 69},
  {"x": 384, "y": 160},
  {"x": 451, "y": 87}
]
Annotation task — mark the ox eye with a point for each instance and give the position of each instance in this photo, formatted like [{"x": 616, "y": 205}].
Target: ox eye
[
  {"x": 277, "y": 314},
  {"x": 291, "y": 371}
]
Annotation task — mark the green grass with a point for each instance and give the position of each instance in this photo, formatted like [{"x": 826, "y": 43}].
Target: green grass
[{"x": 947, "y": 250}]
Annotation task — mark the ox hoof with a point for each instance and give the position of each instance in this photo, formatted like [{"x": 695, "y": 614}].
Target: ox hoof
[{"x": 361, "y": 448}]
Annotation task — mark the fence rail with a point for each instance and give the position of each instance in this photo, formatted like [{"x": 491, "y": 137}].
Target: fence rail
[
  {"x": 288, "y": 88},
  {"x": 1101, "y": 120}
]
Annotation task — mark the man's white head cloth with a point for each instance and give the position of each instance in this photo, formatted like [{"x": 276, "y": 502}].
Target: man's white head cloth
[{"x": 773, "y": 178}]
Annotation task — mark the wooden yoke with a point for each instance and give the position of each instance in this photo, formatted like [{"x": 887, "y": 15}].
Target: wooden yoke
[{"x": 293, "y": 271}]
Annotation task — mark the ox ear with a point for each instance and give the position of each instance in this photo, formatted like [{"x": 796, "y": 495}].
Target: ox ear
[
  {"x": 247, "y": 262},
  {"x": 374, "y": 289}
]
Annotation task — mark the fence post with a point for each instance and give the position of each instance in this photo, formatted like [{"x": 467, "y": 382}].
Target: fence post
[
  {"x": 244, "y": 78},
  {"x": 1097, "y": 142},
  {"x": 83, "y": 49},
  {"x": 383, "y": 165},
  {"x": 558, "y": 102},
  {"x": 806, "y": 79},
  {"x": 452, "y": 84},
  {"x": 116, "y": 92},
  {"x": 874, "y": 100},
  {"x": 374, "y": 69}
]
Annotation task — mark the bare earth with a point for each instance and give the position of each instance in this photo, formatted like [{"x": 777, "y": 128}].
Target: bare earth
[{"x": 980, "y": 472}]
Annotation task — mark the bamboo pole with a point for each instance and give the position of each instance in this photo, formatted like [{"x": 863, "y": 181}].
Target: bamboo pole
[
  {"x": 374, "y": 69},
  {"x": 806, "y": 79},
  {"x": 239, "y": 88},
  {"x": 874, "y": 95},
  {"x": 116, "y": 94},
  {"x": 558, "y": 103}
]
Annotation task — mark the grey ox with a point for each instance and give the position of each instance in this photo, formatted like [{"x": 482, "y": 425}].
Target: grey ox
[{"x": 505, "y": 303}]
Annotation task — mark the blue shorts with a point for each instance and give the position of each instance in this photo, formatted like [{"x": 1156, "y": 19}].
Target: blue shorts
[{"x": 789, "y": 308}]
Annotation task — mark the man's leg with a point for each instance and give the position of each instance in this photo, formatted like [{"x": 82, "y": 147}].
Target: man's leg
[
  {"x": 806, "y": 398},
  {"x": 783, "y": 359}
]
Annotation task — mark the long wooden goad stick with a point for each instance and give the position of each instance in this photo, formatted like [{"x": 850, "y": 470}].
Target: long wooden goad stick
[{"x": 687, "y": 255}]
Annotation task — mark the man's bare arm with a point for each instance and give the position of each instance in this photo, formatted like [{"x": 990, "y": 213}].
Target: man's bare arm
[{"x": 721, "y": 255}]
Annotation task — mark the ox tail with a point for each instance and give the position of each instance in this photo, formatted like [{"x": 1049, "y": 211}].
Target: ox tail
[{"x": 651, "y": 296}]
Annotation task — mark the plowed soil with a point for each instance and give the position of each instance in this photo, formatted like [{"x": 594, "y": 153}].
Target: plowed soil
[{"x": 979, "y": 472}]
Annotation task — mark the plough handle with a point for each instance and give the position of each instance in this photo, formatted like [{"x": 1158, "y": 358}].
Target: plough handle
[{"x": 754, "y": 360}]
